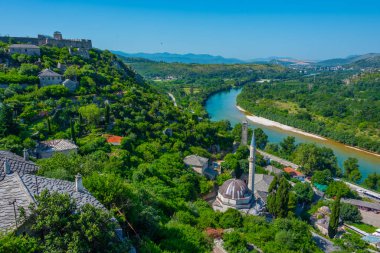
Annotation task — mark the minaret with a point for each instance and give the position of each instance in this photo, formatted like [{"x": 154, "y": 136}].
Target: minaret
[
  {"x": 252, "y": 160},
  {"x": 244, "y": 133}
]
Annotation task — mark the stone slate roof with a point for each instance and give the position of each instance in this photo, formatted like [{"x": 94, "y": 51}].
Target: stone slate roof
[
  {"x": 22, "y": 190},
  {"x": 16, "y": 164},
  {"x": 23, "y": 46},
  {"x": 274, "y": 170},
  {"x": 12, "y": 189},
  {"x": 361, "y": 203},
  {"x": 234, "y": 189},
  {"x": 262, "y": 182},
  {"x": 56, "y": 145},
  {"x": 48, "y": 73},
  {"x": 195, "y": 160},
  {"x": 36, "y": 185}
]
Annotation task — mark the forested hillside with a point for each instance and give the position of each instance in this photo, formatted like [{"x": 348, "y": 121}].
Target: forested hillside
[
  {"x": 191, "y": 84},
  {"x": 144, "y": 180},
  {"x": 347, "y": 111}
]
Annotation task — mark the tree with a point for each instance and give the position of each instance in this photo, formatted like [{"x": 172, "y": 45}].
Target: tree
[
  {"x": 20, "y": 244},
  {"x": 231, "y": 218},
  {"x": 334, "y": 218},
  {"x": 336, "y": 188},
  {"x": 230, "y": 163},
  {"x": 350, "y": 213},
  {"x": 107, "y": 115},
  {"x": 72, "y": 131},
  {"x": 288, "y": 145},
  {"x": 373, "y": 181},
  {"x": 261, "y": 138},
  {"x": 234, "y": 242},
  {"x": 91, "y": 113},
  {"x": 322, "y": 177},
  {"x": 304, "y": 192},
  {"x": 61, "y": 226},
  {"x": 71, "y": 72},
  {"x": 278, "y": 199},
  {"x": 28, "y": 69},
  {"x": 6, "y": 120},
  {"x": 351, "y": 169}
]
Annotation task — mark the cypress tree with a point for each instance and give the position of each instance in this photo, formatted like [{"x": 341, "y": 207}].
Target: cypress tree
[
  {"x": 334, "y": 218},
  {"x": 48, "y": 124},
  {"x": 107, "y": 114},
  {"x": 278, "y": 198},
  {"x": 72, "y": 131}
]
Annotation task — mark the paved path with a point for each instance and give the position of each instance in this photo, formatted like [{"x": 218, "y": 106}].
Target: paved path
[
  {"x": 324, "y": 244},
  {"x": 278, "y": 159},
  {"x": 173, "y": 98},
  {"x": 362, "y": 191}
]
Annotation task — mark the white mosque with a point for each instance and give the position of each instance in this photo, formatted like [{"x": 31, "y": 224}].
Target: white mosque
[{"x": 237, "y": 194}]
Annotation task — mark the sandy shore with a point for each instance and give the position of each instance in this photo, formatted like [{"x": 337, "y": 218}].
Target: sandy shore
[{"x": 271, "y": 123}]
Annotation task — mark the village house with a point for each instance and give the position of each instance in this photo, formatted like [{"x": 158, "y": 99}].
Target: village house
[
  {"x": 114, "y": 139},
  {"x": 18, "y": 192},
  {"x": 49, "y": 77},
  {"x": 271, "y": 169},
  {"x": 12, "y": 163},
  {"x": 295, "y": 173},
  {"x": 27, "y": 49},
  {"x": 46, "y": 149},
  {"x": 70, "y": 85},
  {"x": 200, "y": 165}
]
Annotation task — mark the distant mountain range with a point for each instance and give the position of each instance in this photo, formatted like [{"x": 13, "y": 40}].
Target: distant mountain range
[
  {"x": 182, "y": 58},
  {"x": 356, "y": 61}
]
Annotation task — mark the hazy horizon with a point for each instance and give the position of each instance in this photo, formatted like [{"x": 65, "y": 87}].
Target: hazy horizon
[{"x": 248, "y": 30}]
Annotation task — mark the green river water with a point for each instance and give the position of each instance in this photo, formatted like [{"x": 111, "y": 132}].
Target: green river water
[{"x": 222, "y": 106}]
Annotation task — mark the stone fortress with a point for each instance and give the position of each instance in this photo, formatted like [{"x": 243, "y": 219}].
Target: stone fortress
[{"x": 44, "y": 40}]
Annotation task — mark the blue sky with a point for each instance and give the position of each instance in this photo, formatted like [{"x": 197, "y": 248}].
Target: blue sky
[{"x": 243, "y": 29}]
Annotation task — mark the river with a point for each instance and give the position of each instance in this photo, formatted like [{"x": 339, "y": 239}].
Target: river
[{"x": 222, "y": 106}]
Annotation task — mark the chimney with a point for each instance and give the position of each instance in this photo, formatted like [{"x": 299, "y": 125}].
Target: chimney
[
  {"x": 78, "y": 183},
  {"x": 26, "y": 155},
  {"x": 7, "y": 167}
]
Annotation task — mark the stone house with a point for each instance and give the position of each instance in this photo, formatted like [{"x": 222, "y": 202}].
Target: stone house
[
  {"x": 69, "y": 84},
  {"x": 12, "y": 163},
  {"x": 27, "y": 49},
  {"x": 321, "y": 219},
  {"x": 46, "y": 149},
  {"x": 198, "y": 163},
  {"x": 18, "y": 192},
  {"x": 48, "y": 77}
]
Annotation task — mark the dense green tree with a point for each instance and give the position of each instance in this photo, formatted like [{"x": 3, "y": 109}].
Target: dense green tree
[
  {"x": 350, "y": 213},
  {"x": 334, "y": 218},
  {"x": 6, "y": 120},
  {"x": 261, "y": 138},
  {"x": 234, "y": 242},
  {"x": 231, "y": 218},
  {"x": 304, "y": 192},
  {"x": 351, "y": 169},
  {"x": 85, "y": 230},
  {"x": 373, "y": 181},
  {"x": 288, "y": 145},
  {"x": 11, "y": 243},
  {"x": 336, "y": 188},
  {"x": 278, "y": 199},
  {"x": 322, "y": 177}
]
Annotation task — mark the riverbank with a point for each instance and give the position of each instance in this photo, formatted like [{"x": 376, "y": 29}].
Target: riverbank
[{"x": 271, "y": 123}]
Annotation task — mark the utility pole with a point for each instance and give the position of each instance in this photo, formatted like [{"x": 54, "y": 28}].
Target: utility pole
[{"x": 14, "y": 209}]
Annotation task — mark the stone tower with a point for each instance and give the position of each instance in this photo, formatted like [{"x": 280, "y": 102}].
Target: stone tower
[
  {"x": 57, "y": 35},
  {"x": 244, "y": 133},
  {"x": 252, "y": 160}
]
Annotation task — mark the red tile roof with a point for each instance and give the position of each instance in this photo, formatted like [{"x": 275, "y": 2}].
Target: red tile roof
[
  {"x": 114, "y": 139},
  {"x": 293, "y": 172}
]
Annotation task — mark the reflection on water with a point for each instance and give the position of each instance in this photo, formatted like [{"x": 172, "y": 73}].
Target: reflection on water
[{"x": 222, "y": 106}]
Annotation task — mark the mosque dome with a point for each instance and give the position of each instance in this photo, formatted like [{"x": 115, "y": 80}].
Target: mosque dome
[{"x": 234, "y": 189}]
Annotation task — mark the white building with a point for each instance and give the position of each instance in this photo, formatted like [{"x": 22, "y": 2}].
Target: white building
[
  {"x": 27, "y": 49},
  {"x": 46, "y": 149},
  {"x": 48, "y": 77}
]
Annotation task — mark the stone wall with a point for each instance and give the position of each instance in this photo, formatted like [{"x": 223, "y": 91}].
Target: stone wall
[{"x": 44, "y": 40}]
